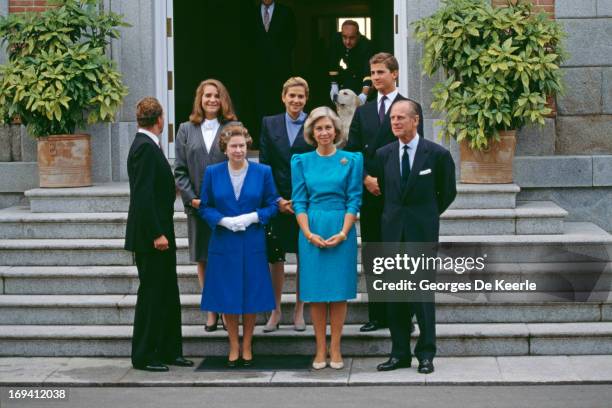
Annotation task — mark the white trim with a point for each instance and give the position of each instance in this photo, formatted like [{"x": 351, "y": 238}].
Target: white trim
[{"x": 400, "y": 42}]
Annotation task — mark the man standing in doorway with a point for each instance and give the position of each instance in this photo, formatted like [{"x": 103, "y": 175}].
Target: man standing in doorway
[
  {"x": 157, "y": 339},
  {"x": 349, "y": 57},
  {"x": 417, "y": 180},
  {"x": 371, "y": 129},
  {"x": 275, "y": 37}
]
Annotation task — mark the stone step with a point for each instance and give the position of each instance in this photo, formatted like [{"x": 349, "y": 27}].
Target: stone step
[
  {"x": 123, "y": 280},
  {"x": 579, "y": 239},
  {"x": 114, "y": 197},
  {"x": 529, "y": 217},
  {"x": 485, "y": 196},
  {"x": 536, "y": 217},
  {"x": 119, "y": 310},
  {"x": 452, "y": 340}
]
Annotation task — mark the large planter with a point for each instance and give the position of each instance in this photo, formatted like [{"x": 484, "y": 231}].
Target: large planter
[
  {"x": 490, "y": 166},
  {"x": 64, "y": 160}
]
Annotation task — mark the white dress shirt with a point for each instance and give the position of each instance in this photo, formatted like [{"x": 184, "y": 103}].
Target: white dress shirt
[
  {"x": 152, "y": 135},
  {"x": 263, "y": 11},
  {"x": 209, "y": 131},
  {"x": 390, "y": 98},
  {"x": 412, "y": 146}
]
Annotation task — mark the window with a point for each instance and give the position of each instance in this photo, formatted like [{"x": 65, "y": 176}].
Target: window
[{"x": 364, "y": 24}]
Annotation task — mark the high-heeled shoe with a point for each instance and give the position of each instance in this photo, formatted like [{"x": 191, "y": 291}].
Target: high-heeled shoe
[
  {"x": 233, "y": 363},
  {"x": 269, "y": 328},
  {"x": 247, "y": 363},
  {"x": 213, "y": 327},
  {"x": 299, "y": 327},
  {"x": 336, "y": 365},
  {"x": 319, "y": 366}
]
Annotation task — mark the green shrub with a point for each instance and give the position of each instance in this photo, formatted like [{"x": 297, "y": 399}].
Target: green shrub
[
  {"x": 500, "y": 66},
  {"x": 58, "y": 76}
]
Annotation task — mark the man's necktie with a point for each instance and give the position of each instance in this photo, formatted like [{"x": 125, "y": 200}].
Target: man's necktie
[
  {"x": 266, "y": 19},
  {"x": 381, "y": 110},
  {"x": 405, "y": 166}
]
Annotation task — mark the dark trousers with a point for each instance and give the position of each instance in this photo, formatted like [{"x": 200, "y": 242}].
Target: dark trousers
[
  {"x": 369, "y": 222},
  {"x": 400, "y": 318},
  {"x": 157, "y": 321}
]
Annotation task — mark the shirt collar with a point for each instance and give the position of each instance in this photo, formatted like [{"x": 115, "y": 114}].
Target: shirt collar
[
  {"x": 300, "y": 120},
  {"x": 412, "y": 145},
  {"x": 390, "y": 96},
  {"x": 152, "y": 135},
  {"x": 270, "y": 7},
  {"x": 210, "y": 124}
]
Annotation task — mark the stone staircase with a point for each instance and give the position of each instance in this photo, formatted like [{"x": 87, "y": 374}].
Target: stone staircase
[{"x": 68, "y": 287}]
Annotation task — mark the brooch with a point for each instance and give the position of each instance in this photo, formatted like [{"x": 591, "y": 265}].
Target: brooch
[{"x": 343, "y": 161}]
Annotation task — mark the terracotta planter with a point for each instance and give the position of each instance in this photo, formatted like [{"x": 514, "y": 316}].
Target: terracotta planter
[
  {"x": 490, "y": 166},
  {"x": 64, "y": 160}
]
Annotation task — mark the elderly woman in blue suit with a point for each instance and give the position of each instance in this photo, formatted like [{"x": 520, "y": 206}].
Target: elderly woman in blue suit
[{"x": 238, "y": 199}]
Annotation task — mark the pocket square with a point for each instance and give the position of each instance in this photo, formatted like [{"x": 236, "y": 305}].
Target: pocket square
[{"x": 424, "y": 172}]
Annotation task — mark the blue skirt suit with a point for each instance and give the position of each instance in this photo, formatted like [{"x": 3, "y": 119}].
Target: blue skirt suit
[
  {"x": 238, "y": 277},
  {"x": 326, "y": 188}
]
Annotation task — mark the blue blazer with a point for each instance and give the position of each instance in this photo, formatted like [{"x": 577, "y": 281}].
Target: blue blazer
[{"x": 237, "y": 274}]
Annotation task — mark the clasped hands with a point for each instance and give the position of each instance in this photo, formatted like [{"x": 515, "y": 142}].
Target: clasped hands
[
  {"x": 240, "y": 222},
  {"x": 330, "y": 242}
]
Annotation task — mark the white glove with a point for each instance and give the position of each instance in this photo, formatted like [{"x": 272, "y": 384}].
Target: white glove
[
  {"x": 333, "y": 93},
  {"x": 248, "y": 219},
  {"x": 232, "y": 224},
  {"x": 363, "y": 98}
]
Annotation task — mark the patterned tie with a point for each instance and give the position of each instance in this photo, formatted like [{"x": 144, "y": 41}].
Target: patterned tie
[
  {"x": 266, "y": 19},
  {"x": 381, "y": 110},
  {"x": 405, "y": 166}
]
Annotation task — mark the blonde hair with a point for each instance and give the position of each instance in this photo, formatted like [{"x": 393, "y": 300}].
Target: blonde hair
[
  {"x": 234, "y": 129},
  {"x": 295, "y": 81},
  {"x": 320, "y": 113},
  {"x": 226, "y": 113}
]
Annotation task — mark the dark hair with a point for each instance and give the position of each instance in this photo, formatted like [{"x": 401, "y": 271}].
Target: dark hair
[
  {"x": 387, "y": 59},
  {"x": 351, "y": 23},
  {"x": 148, "y": 111}
]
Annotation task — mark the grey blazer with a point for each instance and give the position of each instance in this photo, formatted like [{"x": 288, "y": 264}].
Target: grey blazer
[{"x": 192, "y": 158}]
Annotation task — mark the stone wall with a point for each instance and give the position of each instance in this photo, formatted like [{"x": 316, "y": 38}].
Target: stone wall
[{"x": 584, "y": 121}]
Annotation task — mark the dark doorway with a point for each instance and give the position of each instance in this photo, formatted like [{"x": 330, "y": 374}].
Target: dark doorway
[{"x": 213, "y": 39}]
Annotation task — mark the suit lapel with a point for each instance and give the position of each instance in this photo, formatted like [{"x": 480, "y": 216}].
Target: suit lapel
[
  {"x": 281, "y": 137},
  {"x": 200, "y": 139},
  {"x": 245, "y": 184},
  {"x": 420, "y": 157},
  {"x": 215, "y": 143},
  {"x": 394, "y": 167}
]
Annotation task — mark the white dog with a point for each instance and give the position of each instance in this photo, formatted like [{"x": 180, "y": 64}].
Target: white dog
[{"x": 346, "y": 104}]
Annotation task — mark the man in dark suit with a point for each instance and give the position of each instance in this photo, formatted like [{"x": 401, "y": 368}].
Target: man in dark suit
[
  {"x": 349, "y": 61},
  {"x": 282, "y": 136},
  {"x": 157, "y": 337},
  {"x": 371, "y": 129},
  {"x": 417, "y": 181},
  {"x": 275, "y": 37}
]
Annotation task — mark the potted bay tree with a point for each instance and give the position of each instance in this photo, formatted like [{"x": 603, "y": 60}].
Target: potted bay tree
[
  {"x": 500, "y": 65},
  {"x": 58, "y": 78}
]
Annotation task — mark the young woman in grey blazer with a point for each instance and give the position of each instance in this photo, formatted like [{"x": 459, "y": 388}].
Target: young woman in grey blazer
[{"x": 196, "y": 147}]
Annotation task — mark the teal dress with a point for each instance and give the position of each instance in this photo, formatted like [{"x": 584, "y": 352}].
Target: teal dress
[{"x": 326, "y": 188}]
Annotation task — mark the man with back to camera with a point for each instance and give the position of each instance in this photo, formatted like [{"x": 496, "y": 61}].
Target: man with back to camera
[
  {"x": 157, "y": 340},
  {"x": 349, "y": 57},
  {"x": 371, "y": 129},
  {"x": 417, "y": 181}
]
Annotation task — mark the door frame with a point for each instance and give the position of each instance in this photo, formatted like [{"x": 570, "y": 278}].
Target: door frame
[{"x": 164, "y": 60}]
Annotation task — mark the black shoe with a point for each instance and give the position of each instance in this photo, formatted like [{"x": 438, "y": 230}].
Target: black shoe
[
  {"x": 426, "y": 366},
  {"x": 153, "y": 367},
  {"x": 212, "y": 327},
  {"x": 247, "y": 363},
  {"x": 180, "y": 362},
  {"x": 394, "y": 363},
  {"x": 233, "y": 363},
  {"x": 370, "y": 326}
]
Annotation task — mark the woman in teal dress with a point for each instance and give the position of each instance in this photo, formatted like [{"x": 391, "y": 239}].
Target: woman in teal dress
[{"x": 327, "y": 187}]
